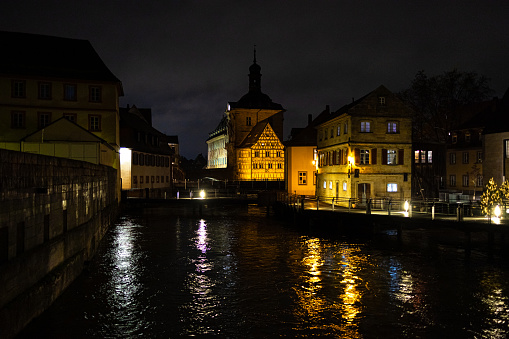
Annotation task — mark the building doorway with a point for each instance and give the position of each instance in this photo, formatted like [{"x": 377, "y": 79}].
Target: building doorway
[{"x": 363, "y": 192}]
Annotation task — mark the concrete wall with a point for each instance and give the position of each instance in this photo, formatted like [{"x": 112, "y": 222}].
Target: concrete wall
[{"x": 53, "y": 213}]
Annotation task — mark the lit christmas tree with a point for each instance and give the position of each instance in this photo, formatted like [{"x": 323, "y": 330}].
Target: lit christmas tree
[
  {"x": 504, "y": 190},
  {"x": 490, "y": 198}
]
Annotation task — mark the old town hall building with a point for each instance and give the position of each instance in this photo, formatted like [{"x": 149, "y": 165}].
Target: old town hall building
[{"x": 247, "y": 143}]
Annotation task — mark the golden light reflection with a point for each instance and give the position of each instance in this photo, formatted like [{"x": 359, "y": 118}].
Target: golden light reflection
[{"x": 322, "y": 261}]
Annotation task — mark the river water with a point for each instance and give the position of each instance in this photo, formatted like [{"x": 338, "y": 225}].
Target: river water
[{"x": 241, "y": 274}]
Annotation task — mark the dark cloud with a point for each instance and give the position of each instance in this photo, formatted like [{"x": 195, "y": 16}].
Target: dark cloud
[{"x": 187, "y": 59}]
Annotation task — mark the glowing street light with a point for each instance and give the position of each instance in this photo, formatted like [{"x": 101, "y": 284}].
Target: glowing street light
[
  {"x": 498, "y": 212},
  {"x": 202, "y": 194}
]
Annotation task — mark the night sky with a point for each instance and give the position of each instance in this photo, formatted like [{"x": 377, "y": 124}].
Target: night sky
[{"x": 187, "y": 59}]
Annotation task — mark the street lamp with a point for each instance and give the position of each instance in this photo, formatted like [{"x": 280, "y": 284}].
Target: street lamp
[{"x": 202, "y": 194}]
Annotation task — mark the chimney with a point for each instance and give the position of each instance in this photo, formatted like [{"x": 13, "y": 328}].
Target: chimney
[{"x": 310, "y": 119}]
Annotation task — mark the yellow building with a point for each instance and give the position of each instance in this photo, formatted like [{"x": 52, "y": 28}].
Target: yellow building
[
  {"x": 227, "y": 143},
  {"x": 365, "y": 150},
  {"x": 301, "y": 157},
  {"x": 44, "y": 79},
  {"x": 261, "y": 155}
]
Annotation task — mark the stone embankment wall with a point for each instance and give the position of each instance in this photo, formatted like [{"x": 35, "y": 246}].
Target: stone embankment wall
[{"x": 53, "y": 213}]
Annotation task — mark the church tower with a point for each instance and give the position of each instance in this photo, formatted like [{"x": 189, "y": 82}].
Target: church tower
[{"x": 252, "y": 113}]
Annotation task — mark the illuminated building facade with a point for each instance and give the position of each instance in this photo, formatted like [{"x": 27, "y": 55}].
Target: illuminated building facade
[
  {"x": 261, "y": 155},
  {"x": 365, "y": 150},
  {"x": 146, "y": 157},
  {"x": 44, "y": 79},
  {"x": 301, "y": 157},
  {"x": 245, "y": 121}
]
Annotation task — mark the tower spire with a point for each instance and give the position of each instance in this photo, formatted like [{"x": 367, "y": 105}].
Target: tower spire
[{"x": 255, "y": 77}]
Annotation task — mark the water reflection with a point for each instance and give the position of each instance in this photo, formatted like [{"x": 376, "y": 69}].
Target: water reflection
[
  {"x": 124, "y": 285},
  {"x": 330, "y": 288},
  {"x": 204, "y": 303},
  {"x": 496, "y": 302}
]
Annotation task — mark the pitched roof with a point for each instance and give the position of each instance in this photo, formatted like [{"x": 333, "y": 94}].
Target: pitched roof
[
  {"x": 255, "y": 134},
  {"x": 133, "y": 121},
  {"x": 64, "y": 130},
  {"x": 49, "y": 56}
]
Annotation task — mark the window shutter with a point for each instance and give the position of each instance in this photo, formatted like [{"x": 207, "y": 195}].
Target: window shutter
[
  {"x": 384, "y": 156},
  {"x": 357, "y": 156},
  {"x": 401, "y": 157},
  {"x": 373, "y": 156}
]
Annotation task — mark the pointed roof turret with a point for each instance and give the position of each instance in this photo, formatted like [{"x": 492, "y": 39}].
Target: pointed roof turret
[
  {"x": 255, "y": 98},
  {"x": 255, "y": 77}
]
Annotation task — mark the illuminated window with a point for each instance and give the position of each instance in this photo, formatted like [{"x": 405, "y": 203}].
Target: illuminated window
[
  {"x": 330, "y": 184},
  {"x": 70, "y": 92},
  {"x": 364, "y": 156},
  {"x": 392, "y": 127},
  {"x": 338, "y": 133},
  {"x": 95, "y": 94},
  {"x": 44, "y": 90},
  {"x": 416, "y": 157},
  {"x": 430, "y": 157},
  {"x": 454, "y": 138},
  {"x": 344, "y": 186},
  {"x": 381, "y": 101},
  {"x": 452, "y": 180},
  {"x": 423, "y": 157},
  {"x": 391, "y": 157},
  {"x": 18, "y": 89},
  {"x": 303, "y": 178},
  {"x": 324, "y": 184},
  {"x": 467, "y": 137},
  {"x": 365, "y": 126},
  {"x": 392, "y": 187}
]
